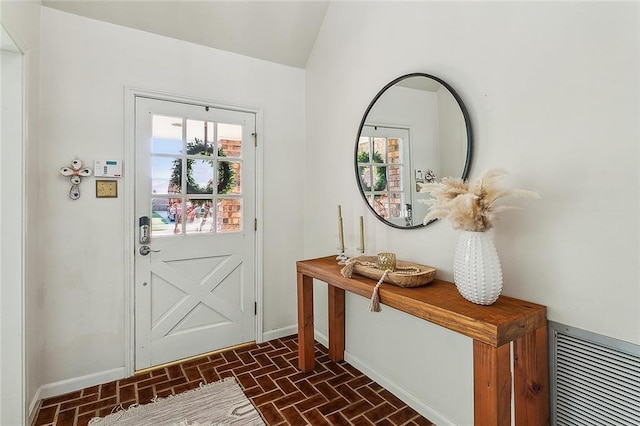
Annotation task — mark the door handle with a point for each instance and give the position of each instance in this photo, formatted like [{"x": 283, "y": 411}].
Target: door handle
[{"x": 145, "y": 250}]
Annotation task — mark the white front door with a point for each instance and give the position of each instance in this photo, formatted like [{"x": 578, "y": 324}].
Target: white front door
[{"x": 195, "y": 187}]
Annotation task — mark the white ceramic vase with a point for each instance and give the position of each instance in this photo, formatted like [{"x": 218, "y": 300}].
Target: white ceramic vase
[{"x": 476, "y": 268}]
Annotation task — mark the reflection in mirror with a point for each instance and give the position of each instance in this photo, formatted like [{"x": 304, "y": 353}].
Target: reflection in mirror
[{"x": 415, "y": 130}]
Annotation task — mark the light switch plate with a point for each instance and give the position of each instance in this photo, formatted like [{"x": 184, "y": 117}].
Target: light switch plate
[{"x": 106, "y": 188}]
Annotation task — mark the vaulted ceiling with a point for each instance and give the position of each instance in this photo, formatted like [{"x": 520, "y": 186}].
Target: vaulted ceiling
[{"x": 276, "y": 31}]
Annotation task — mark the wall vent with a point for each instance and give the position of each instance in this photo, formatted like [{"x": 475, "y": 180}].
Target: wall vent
[{"x": 595, "y": 380}]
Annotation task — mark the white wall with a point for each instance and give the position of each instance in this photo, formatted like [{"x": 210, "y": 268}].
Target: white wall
[
  {"x": 20, "y": 379},
  {"x": 552, "y": 90},
  {"x": 86, "y": 65},
  {"x": 452, "y": 135}
]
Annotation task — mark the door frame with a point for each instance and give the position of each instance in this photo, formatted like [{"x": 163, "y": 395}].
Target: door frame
[
  {"x": 13, "y": 372},
  {"x": 130, "y": 227}
]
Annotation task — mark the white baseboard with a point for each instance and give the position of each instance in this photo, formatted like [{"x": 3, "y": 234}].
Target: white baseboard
[
  {"x": 279, "y": 332},
  {"x": 288, "y": 331},
  {"x": 406, "y": 396},
  {"x": 74, "y": 384},
  {"x": 33, "y": 406},
  {"x": 321, "y": 338},
  {"x": 77, "y": 383}
]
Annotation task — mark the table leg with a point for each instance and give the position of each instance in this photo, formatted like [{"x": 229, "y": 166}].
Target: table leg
[
  {"x": 491, "y": 384},
  {"x": 531, "y": 378},
  {"x": 306, "y": 360},
  {"x": 336, "y": 323}
]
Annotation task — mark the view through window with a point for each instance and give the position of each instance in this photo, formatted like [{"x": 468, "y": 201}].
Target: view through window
[
  {"x": 196, "y": 176},
  {"x": 381, "y": 170}
]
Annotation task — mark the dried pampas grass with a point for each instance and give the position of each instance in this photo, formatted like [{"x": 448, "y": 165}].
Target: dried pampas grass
[{"x": 470, "y": 206}]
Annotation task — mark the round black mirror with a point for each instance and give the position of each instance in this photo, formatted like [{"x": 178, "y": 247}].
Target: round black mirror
[{"x": 415, "y": 130}]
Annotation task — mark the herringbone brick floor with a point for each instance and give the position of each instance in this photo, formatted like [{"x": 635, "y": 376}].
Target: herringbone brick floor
[{"x": 333, "y": 394}]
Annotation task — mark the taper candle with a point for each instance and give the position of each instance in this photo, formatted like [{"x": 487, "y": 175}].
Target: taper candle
[
  {"x": 362, "y": 234},
  {"x": 340, "y": 228}
]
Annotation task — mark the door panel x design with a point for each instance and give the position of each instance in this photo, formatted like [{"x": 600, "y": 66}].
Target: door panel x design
[{"x": 198, "y": 303}]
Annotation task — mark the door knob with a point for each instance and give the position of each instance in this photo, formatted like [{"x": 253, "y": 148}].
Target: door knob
[{"x": 145, "y": 250}]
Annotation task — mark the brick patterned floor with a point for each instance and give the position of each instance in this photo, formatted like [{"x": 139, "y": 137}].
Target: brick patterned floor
[{"x": 333, "y": 394}]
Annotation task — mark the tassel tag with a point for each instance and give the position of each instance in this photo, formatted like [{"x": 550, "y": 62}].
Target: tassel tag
[
  {"x": 347, "y": 271},
  {"x": 374, "y": 303}
]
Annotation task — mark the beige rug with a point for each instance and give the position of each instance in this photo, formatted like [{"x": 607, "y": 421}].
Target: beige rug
[{"x": 219, "y": 403}]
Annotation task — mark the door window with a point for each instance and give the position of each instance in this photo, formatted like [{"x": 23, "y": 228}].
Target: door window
[
  {"x": 382, "y": 170},
  {"x": 196, "y": 176}
]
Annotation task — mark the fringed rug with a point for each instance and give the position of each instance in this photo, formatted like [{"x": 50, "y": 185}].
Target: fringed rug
[{"x": 219, "y": 403}]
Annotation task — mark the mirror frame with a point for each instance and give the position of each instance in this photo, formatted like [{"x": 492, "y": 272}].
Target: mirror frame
[{"x": 467, "y": 120}]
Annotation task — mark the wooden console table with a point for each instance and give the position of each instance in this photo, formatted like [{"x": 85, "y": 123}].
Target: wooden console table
[{"x": 492, "y": 329}]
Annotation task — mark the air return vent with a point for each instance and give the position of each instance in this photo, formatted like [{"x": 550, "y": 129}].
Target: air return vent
[{"x": 595, "y": 380}]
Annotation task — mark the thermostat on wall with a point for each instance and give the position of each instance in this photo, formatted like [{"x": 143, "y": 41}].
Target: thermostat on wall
[{"x": 107, "y": 168}]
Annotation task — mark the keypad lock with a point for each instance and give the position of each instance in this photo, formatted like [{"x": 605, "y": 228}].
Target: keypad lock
[{"x": 145, "y": 236}]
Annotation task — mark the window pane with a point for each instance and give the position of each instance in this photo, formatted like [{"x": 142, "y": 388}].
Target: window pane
[
  {"x": 175, "y": 215},
  {"x": 211, "y": 127},
  {"x": 379, "y": 150},
  {"x": 200, "y": 176},
  {"x": 200, "y": 216},
  {"x": 196, "y": 143},
  {"x": 165, "y": 217},
  {"x": 229, "y": 215},
  {"x": 165, "y": 175},
  {"x": 363, "y": 150},
  {"x": 191, "y": 215},
  {"x": 166, "y": 135},
  {"x": 160, "y": 223},
  {"x": 229, "y": 174},
  {"x": 365, "y": 177},
  {"x": 195, "y": 130},
  {"x": 395, "y": 150},
  {"x": 395, "y": 178},
  {"x": 380, "y": 178},
  {"x": 230, "y": 140},
  {"x": 381, "y": 205},
  {"x": 395, "y": 205}
]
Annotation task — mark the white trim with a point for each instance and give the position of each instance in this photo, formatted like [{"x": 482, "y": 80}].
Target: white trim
[
  {"x": 34, "y": 406},
  {"x": 15, "y": 271},
  {"x": 279, "y": 332},
  {"x": 129, "y": 262},
  {"x": 77, "y": 383},
  {"x": 259, "y": 209},
  {"x": 23, "y": 235},
  {"x": 190, "y": 100},
  {"x": 321, "y": 338},
  {"x": 407, "y": 397},
  {"x": 15, "y": 36},
  {"x": 129, "y": 204}
]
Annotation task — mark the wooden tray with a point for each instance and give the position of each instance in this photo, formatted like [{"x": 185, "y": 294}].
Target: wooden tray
[{"x": 425, "y": 275}]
